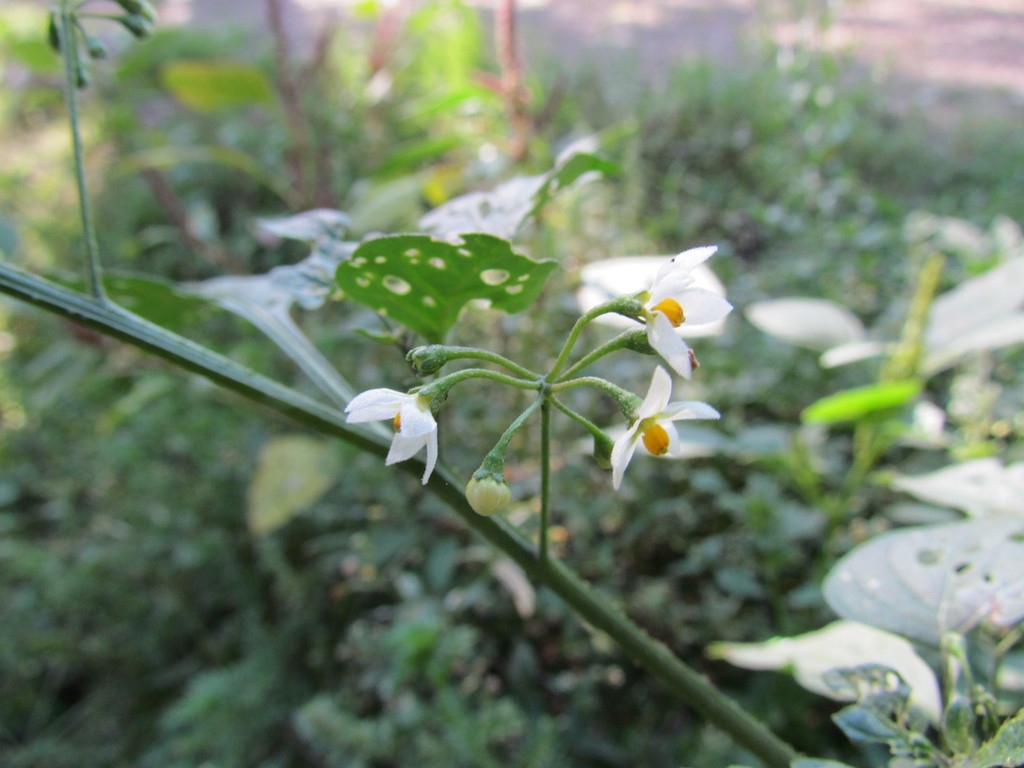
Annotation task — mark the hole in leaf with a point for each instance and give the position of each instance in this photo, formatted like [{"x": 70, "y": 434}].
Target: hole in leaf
[
  {"x": 381, "y": 260},
  {"x": 429, "y": 301},
  {"x": 397, "y": 285},
  {"x": 362, "y": 282},
  {"x": 359, "y": 261},
  {"x": 494, "y": 276},
  {"x": 514, "y": 289},
  {"x": 523, "y": 278},
  {"x": 928, "y": 557},
  {"x": 412, "y": 253},
  {"x": 464, "y": 252},
  {"x": 438, "y": 263}
]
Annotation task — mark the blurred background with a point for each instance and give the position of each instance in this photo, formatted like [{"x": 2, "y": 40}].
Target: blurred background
[{"x": 168, "y": 600}]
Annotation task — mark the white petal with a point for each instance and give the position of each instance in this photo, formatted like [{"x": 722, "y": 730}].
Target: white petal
[
  {"x": 416, "y": 418},
  {"x": 622, "y": 452},
  {"x": 702, "y": 307},
  {"x": 431, "y": 456},
  {"x": 687, "y": 260},
  {"x": 403, "y": 448},
  {"x": 675, "y": 446},
  {"x": 689, "y": 409},
  {"x": 658, "y": 395},
  {"x": 375, "y": 405},
  {"x": 669, "y": 345},
  {"x": 669, "y": 288}
]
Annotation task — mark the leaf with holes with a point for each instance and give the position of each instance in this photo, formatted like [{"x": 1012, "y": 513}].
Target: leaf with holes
[
  {"x": 423, "y": 283},
  {"x": 922, "y": 582}
]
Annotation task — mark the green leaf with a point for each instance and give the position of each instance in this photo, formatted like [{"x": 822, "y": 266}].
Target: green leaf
[
  {"x": 293, "y": 472},
  {"x": 813, "y": 762},
  {"x": 209, "y": 86},
  {"x": 925, "y": 581},
  {"x": 502, "y": 211},
  {"x": 1006, "y": 748},
  {"x": 853, "y": 404},
  {"x": 424, "y": 283},
  {"x": 864, "y": 724}
]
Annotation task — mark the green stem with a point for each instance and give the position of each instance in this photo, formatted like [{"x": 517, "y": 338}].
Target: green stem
[
  {"x": 596, "y": 609},
  {"x": 69, "y": 52},
  {"x": 445, "y": 383},
  {"x": 628, "y": 401},
  {"x": 498, "y": 451},
  {"x": 472, "y": 353},
  {"x": 545, "y": 478},
  {"x": 602, "y": 309},
  {"x": 613, "y": 345}
]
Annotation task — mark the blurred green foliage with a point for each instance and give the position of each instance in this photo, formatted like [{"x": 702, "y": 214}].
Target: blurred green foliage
[{"x": 145, "y": 624}]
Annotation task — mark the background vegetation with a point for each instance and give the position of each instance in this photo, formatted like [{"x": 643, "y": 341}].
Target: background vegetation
[{"x": 148, "y": 622}]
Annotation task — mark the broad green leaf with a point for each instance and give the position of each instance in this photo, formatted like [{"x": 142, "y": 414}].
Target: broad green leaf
[
  {"x": 841, "y": 644},
  {"x": 424, "y": 283},
  {"x": 853, "y": 404},
  {"x": 209, "y": 86},
  {"x": 504, "y": 210},
  {"x": 924, "y": 581},
  {"x": 981, "y": 488},
  {"x": 813, "y": 323},
  {"x": 813, "y": 762},
  {"x": 292, "y": 473},
  {"x": 1006, "y": 748}
]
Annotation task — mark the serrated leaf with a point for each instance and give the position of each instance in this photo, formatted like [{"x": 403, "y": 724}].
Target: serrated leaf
[
  {"x": 292, "y": 473},
  {"x": 208, "y": 86},
  {"x": 1006, "y": 748},
  {"x": 424, "y": 283},
  {"x": 814, "y": 323},
  {"x": 922, "y": 582},
  {"x": 981, "y": 488},
  {"x": 840, "y": 645},
  {"x": 853, "y": 404}
]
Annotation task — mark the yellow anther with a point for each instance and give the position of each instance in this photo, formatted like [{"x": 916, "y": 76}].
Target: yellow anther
[
  {"x": 656, "y": 440},
  {"x": 671, "y": 309},
  {"x": 398, "y": 422}
]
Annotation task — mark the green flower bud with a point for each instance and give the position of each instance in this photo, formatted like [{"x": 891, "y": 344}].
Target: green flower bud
[
  {"x": 137, "y": 24},
  {"x": 95, "y": 48},
  {"x": 428, "y": 360},
  {"x": 81, "y": 75},
  {"x": 488, "y": 493},
  {"x": 53, "y": 32},
  {"x": 603, "y": 450},
  {"x": 139, "y": 8}
]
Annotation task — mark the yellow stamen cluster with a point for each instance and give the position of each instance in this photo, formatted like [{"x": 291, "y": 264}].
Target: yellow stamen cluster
[
  {"x": 656, "y": 440},
  {"x": 671, "y": 309},
  {"x": 398, "y": 422}
]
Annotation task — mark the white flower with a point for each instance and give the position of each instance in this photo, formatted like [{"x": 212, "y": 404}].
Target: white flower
[
  {"x": 674, "y": 299},
  {"x": 414, "y": 424},
  {"x": 653, "y": 426}
]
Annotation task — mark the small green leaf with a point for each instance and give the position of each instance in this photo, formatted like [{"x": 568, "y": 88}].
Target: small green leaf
[
  {"x": 424, "y": 283},
  {"x": 853, "y": 404},
  {"x": 1006, "y": 748},
  {"x": 209, "y": 86},
  {"x": 293, "y": 472},
  {"x": 864, "y": 724}
]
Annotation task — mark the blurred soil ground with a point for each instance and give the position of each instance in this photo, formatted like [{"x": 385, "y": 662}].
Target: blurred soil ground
[{"x": 933, "y": 46}]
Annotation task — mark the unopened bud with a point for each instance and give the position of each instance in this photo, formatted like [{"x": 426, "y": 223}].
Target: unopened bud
[
  {"x": 139, "y": 8},
  {"x": 603, "y": 450},
  {"x": 428, "y": 360},
  {"x": 137, "y": 24},
  {"x": 487, "y": 493},
  {"x": 95, "y": 48},
  {"x": 53, "y": 32}
]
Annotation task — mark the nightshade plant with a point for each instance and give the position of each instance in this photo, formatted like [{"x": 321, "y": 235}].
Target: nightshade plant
[{"x": 423, "y": 282}]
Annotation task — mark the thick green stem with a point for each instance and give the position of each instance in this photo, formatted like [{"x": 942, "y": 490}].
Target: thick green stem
[
  {"x": 69, "y": 52},
  {"x": 596, "y": 609},
  {"x": 545, "y": 478},
  {"x": 445, "y": 383},
  {"x": 628, "y": 401}
]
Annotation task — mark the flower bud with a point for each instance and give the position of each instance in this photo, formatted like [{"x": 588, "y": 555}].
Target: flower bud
[
  {"x": 139, "y": 8},
  {"x": 603, "y": 450},
  {"x": 95, "y": 48},
  {"x": 487, "y": 493},
  {"x": 53, "y": 33},
  {"x": 137, "y": 24},
  {"x": 429, "y": 359}
]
